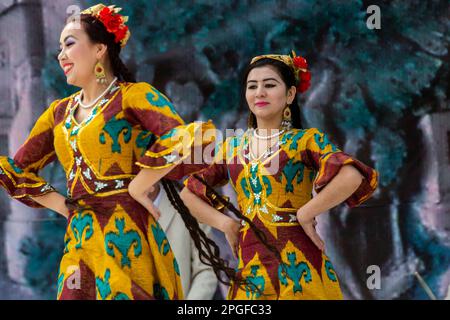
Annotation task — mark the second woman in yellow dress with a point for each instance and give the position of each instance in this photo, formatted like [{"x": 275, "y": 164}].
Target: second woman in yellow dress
[{"x": 273, "y": 168}]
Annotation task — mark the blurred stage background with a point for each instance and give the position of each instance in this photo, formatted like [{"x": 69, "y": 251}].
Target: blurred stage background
[{"x": 382, "y": 95}]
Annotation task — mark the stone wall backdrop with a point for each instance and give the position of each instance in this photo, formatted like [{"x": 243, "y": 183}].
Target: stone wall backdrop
[{"x": 381, "y": 94}]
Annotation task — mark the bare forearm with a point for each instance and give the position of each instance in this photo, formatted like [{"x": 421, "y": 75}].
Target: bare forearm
[
  {"x": 145, "y": 181},
  {"x": 54, "y": 201},
  {"x": 203, "y": 211},
  {"x": 342, "y": 186}
]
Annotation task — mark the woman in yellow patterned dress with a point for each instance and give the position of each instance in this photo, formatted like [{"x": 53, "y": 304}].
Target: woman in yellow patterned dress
[
  {"x": 273, "y": 168},
  {"x": 103, "y": 136}
]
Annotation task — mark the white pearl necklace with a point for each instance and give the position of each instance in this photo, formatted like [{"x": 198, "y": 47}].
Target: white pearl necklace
[
  {"x": 90, "y": 105},
  {"x": 267, "y": 137},
  {"x": 269, "y": 151}
]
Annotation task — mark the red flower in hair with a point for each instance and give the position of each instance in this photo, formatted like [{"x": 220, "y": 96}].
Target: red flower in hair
[
  {"x": 300, "y": 62},
  {"x": 121, "y": 33},
  {"x": 305, "y": 76},
  {"x": 111, "y": 21},
  {"x": 303, "y": 86}
]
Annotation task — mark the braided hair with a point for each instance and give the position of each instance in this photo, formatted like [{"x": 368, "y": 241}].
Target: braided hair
[{"x": 209, "y": 252}]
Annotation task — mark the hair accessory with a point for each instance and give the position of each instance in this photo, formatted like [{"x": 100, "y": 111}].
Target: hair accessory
[
  {"x": 113, "y": 21},
  {"x": 297, "y": 64}
]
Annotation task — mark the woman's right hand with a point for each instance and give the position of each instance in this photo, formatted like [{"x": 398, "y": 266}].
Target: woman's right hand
[
  {"x": 231, "y": 231},
  {"x": 147, "y": 203}
]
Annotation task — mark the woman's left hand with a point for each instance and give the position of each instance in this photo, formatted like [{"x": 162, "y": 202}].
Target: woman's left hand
[{"x": 309, "y": 226}]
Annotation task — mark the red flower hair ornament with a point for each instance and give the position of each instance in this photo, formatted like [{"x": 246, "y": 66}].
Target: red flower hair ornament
[
  {"x": 113, "y": 21},
  {"x": 298, "y": 64}
]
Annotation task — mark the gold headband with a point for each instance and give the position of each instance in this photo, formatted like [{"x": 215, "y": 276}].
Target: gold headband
[{"x": 297, "y": 64}]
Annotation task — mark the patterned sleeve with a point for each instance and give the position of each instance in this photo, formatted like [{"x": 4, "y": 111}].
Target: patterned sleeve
[
  {"x": 319, "y": 153},
  {"x": 20, "y": 175},
  {"x": 178, "y": 144},
  {"x": 215, "y": 175}
]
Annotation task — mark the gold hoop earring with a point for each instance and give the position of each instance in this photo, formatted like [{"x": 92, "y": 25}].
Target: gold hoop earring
[
  {"x": 100, "y": 74},
  {"x": 286, "y": 123}
]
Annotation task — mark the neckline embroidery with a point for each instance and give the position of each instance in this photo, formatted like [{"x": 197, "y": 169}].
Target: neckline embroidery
[
  {"x": 245, "y": 152},
  {"x": 99, "y": 108}
]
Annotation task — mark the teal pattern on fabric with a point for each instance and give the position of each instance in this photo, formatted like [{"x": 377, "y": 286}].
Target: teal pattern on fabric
[
  {"x": 233, "y": 144},
  {"x": 244, "y": 186},
  {"x": 160, "y": 293},
  {"x": 294, "y": 271},
  {"x": 123, "y": 241},
  {"x": 103, "y": 286},
  {"x": 74, "y": 131},
  {"x": 268, "y": 185},
  {"x": 169, "y": 134},
  {"x": 158, "y": 100},
  {"x": 286, "y": 137},
  {"x": 295, "y": 139},
  {"x": 161, "y": 239},
  {"x": 176, "y": 267},
  {"x": 143, "y": 141},
  {"x": 121, "y": 296},
  {"x": 114, "y": 129},
  {"x": 66, "y": 245},
  {"x": 331, "y": 274},
  {"x": 300, "y": 173},
  {"x": 14, "y": 167},
  {"x": 290, "y": 171},
  {"x": 60, "y": 283},
  {"x": 256, "y": 284},
  {"x": 322, "y": 142},
  {"x": 256, "y": 185},
  {"x": 82, "y": 224}
]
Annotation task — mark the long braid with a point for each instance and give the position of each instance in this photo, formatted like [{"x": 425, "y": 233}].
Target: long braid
[
  {"x": 209, "y": 252},
  {"x": 259, "y": 234},
  {"x": 120, "y": 70}
]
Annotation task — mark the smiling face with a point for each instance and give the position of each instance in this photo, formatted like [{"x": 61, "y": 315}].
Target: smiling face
[
  {"x": 267, "y": 94},
  {"x": 79, "y": 55}
]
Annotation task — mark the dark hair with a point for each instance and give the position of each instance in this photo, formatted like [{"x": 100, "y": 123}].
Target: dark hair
[
  {"x": 209, "y": 252},
  {"x": 97, "y": 33},
  {"x": 288, "y": 77}
]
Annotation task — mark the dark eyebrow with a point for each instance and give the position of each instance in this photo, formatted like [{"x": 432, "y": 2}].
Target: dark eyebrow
[{"x": 264, "y": 80}]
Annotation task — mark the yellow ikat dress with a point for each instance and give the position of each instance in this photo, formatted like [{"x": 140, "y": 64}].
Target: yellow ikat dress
[
  {"x": 114, "y": 249},
  {"x": 269, "y": 192}
]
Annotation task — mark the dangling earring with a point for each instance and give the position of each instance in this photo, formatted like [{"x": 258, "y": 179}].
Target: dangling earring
[
  {"x": 100, "y": 73},
  {"x": 286, "y": 123}
]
